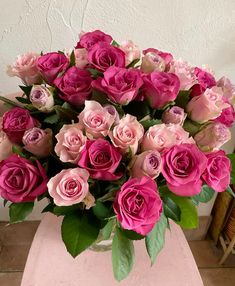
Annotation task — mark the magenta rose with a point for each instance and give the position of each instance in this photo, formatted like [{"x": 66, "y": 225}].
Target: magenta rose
[
  {"x": 101, "y": 160},
  {"x": 74, "y": 86},
  {"x": 21, "y": 180},
  {"x": 138, "y": 205},
  {"x": 121, "y": 85},
  {"x": 102, "y": 55},
  {"x": 182, "y": 167},
  {"x": 160, "y": 88},
  {"x": 15, "y": 122},
  {"x": 51, "y": 64},
  {"x": 204, "y": 80},
  {"x": 227, "y": 117},
  {"x": 217, "y": 173},
  {"x": 89, "y": 39}
]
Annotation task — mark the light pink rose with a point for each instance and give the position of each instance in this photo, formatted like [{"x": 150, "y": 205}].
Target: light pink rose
[
  {"x": 174, "y": 115},
  {"x": 127, "y": 134},
  {"x": 181, "y": 136},
  {"x": 69, "y": 187},
  {"x": 70, "y": 143},
  {"x": 38, "y": 141},
  {"x": 185, "y": 74},
  {"x": 212, "y": 137},
  {"x": 131, "y": 51},
  {"x": 5, "y": 146},
  {"x": 95, "y": 119},
  {"x": 80, "y": 58},
  {"x": 112, "y": 110},
  {"x": 228, "y": 89},
  {"x": 42, "y": 98},
  {"x": 25, "y": 68},
  {"x": 148, "y": 163},
  {"x": 207, "y": 106}
]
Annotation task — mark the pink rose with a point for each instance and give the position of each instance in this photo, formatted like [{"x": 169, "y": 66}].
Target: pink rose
[
  {"x": 102, "y": 56},
  {"x": 21, "y": 180},
  {"x": 184, "y": 72},
  {"x": 74, "y": 86},
  {"x": 69, "y": 187},
  {"x": 15, "y": 122},
  {"x": 204, "y": 80},
  {"x": 160, "y": 88},
  {"x": 131, "y": 51},
  {"x": 89, "y": 39},
  {"x": 227, "y": 117},
  {"x": 95, "y": 119},
  {"x": 212, "y": 137},
  {"x": 182, "y": 167},
  {"x": 5, "y": 146},
  {"x": 127, "y": 134},
  {"x": 228, "y": 89},
  {"x": 26, "y": 69},
  {"x": 101, "y": 159},
  {"x": 217, "y": 173},
  {"x": 38, "y": 141},
  {"x": 138, "y": 205},
  {"x": 121, "y": 85},
  {"x": 42, "y": 98},
  {"x": 80, "y": 58},
  {"x": 148, "y": 163},
  {"x": 174, "y": 115},
  {"x": 207, "y": 106},
  {"x": 112, "y": 110},
  {"x": 51, "y": 64},
  {"x": 181, "y": 136}
]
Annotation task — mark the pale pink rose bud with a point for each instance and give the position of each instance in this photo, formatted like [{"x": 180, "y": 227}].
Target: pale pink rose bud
[
  {"x": 206, "y": 106},
  {"x": 38, "y": 141},
  {"x": 80, "y": 58},
  {"x": 70, "y": 143},
  {"x": 174, "y": 115},
  {"x": 5, "y": 146},
  {"x": 26, "y": 69},
  {"x": 228, "y": 89},
  {"x": 127, "y": 134},
  {"x": 42, "y": 98},
  {"x": 131, "y": 51},
  {"x": 147, "y": 163},
  {"x": 152, "y": 62},
  {"x": 212, "y": 137},
  {"x": 112, "y": 110}
]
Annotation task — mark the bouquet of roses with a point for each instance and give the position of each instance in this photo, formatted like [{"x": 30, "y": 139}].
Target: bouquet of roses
[{"x": 118, "y": 140}]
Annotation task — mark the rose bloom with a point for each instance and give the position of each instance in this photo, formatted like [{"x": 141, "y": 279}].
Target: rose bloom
[
  {"x": 138, "y": 205},
  {"x": 51, "y": 64},
  {"x": 184, "y": 72},
  {"x": 127, "y": 134},
  {"x": 38, "y": 141},
  {"x": 228, "y": 89},
  {"x": 204, "y": 80},
  {"x": 102, "y": 55},
  {"x": 21, "y": 180},
  {"x": 5, "y": 146},
  {"x": 15, "y": 122},
  {"x": 41, "y": 98},
  {"x": 112, "y": 110},
  {"x": 89, "y": 39},
  {"x": 131, "y": 51},
  {"x": 207, "y": 106},
  {"x": 174, "y": 115},
  {"x": 227, "y": 117},
  {"x": 121, "y": 85},
  {"x": 160, "y": 88},
  {"x": 80, "y": 58},
  {"x": 95, "y": 120},
  {"x": 217, "y": 173},
  {"x": 101, "y": 160},
  {"x": 26, "y": 69},
  {"x": 182, "y": 167},
  {"x": 212, "y": 136},
  {"x": 148, "y": 163},
  {"x": 69, "y": 187},
  {"x": 74, "y": 86},
  {"x": 70, "y": 143}
]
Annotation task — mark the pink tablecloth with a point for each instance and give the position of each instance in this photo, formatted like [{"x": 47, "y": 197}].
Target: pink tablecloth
[{"x": 49, "y": 264}]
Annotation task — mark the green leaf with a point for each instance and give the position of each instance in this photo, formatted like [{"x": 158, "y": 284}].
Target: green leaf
[
  {"x": 52, "y": 119},
  {"x": 155, "y": 240},
  {"x": 192, "y": 127},
  {"x": 65, "y": 210},
  {"x": 182, "y": 98},
  {"x": 230, "y": 191},
  {"x": 65, "y": 113},
  {"x": 101, "y": 210},
  {"x": 19, "y": 211},
  {"x": 171, "y": 209},
  {"x": 150, "y": 122},
  {"x": 232, "y": 160},
  {"x": 79, "y": 232},
  {"x": 132, "y": 235},
  {"x": 48, "y": 209},
  {"x": 18, "y": 150},
  {"x": 72, "y": 59},
  {"x": 26, "y": 89},
  {"x": 107, "y": 229},
  {"x": 140, "y": 109},
  {"x": 23, "y": 100},
  {"x": 122, "y": 255},
  {"x": 205, "y": 195},
  {"x": 95, "y": 73},
  {"x": 114, "y": 43},
  {"x": 133, "y": 63}
]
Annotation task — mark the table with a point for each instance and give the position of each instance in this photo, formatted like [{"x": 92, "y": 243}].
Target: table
[{"x": 49, "y": 264}]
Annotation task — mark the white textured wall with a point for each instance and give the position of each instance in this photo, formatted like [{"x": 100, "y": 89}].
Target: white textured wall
[{"x": 200, "y": 31}]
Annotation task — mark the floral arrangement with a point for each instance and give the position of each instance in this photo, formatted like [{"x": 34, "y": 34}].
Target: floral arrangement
[{"x": 118, "y": 140}]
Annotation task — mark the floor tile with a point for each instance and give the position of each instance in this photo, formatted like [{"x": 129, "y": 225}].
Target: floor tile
[
  {"x": 10, "y": 279},
  {"x": 218, "y": 276}
]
